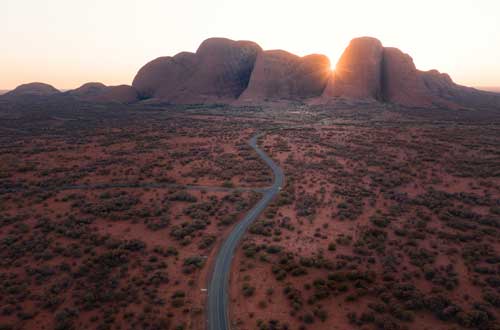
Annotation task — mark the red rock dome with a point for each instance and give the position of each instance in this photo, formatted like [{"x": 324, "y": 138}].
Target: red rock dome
[
  {"x": 34, "y": 88},
  {"x": 358, "y": 72},
  {"x": 282, "y": 75}
]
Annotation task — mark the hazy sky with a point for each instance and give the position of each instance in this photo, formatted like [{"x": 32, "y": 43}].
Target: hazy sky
[{"x": 70, "y": 42}]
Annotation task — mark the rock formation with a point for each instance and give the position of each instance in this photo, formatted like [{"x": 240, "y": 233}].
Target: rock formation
[
  {"x": 440, "y": 86},
  {"x": 281, "y": 75},
  {"x": 223, "y": 70},
  {"x": 34, "y": 89},
  {"x": 367, "y": 70},
  {"x": 219, "y": 71},
  {"x": 98, "y": 92},
  {"x": 401, "y": 82},
  {"x": 228, "y": 71},
  {"x": 405, "y": 85},
  {"x": 162, "y": 77},
  {"x": 88, "y": 90},
  {"x": 357, "y": 75}
]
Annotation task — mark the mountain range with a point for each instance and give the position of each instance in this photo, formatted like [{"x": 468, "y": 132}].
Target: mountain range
[{"x": 241, "y": 72}]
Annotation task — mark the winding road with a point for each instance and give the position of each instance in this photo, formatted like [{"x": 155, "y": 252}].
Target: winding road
[{"x": 217, "y": 300}]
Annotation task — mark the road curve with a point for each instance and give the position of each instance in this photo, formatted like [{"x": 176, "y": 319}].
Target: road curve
[{"x": 217, "y": 300}]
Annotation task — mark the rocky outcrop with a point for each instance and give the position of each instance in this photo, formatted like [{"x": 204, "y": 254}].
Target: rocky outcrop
[
  {"x": 223, "y": 70},
  {"x": 228, "y": 71},
  {"x": 358, "y": 73},
  {"x": 441, "y": 87},
  {"x": 119, "y": 94},
  {"x": 33, "y": 89},
  {"x": 367, "y": 70},
  {"x": 281, "y": 75},
  {"x": 401, "y": 82},
  {"x": 219, "y": 71},
  {"x": 98, "y": 92},
  {"x": 164, "y": 77},
  {"x": 88, "y": 89}
]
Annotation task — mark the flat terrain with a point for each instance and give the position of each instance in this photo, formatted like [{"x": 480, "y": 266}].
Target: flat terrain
[
  {"x": 111, "y": 216},
  {"x": 386, "y": 226},
  {"x": 99, "y": 225}
]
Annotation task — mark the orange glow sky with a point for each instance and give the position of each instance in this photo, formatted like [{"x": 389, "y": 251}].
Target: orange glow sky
[{"x": 69, "y": 42}]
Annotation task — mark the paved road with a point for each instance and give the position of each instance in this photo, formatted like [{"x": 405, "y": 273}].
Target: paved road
[{"x": 218, "y": 288}]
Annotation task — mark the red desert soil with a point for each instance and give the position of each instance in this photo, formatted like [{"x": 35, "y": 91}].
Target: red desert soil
[
  {"x": 134, "y": 256},
  {"x": 376, "y": 228},
  {"x": 389, "y": 217}
]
